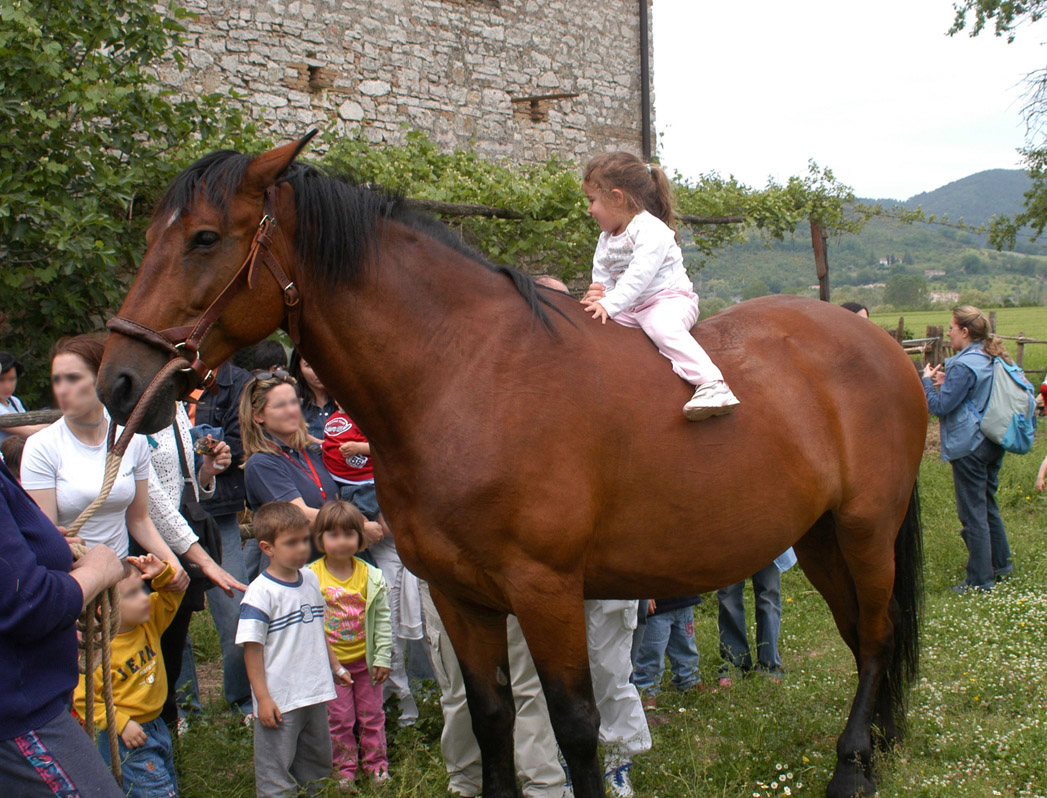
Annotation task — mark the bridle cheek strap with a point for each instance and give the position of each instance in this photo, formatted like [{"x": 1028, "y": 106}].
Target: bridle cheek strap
[{"x": 184, "y": 342}]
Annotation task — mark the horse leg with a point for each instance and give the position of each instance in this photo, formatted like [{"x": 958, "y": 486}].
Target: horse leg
[
  {"x": 823, "y": 562},
  {"x": 479, "y": 639},
  {"x": 553, "y": 623}
]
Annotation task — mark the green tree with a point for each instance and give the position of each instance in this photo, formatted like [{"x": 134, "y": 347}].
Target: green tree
[
  {"x": 755, "y": 289},
  {"x": 1006, "y": 16},
  {"x": 87, "y": 140},
  {"x": 972, "y": 264},
  {"x": 905, "y": 291}
]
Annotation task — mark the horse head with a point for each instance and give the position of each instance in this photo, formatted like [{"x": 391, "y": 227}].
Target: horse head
[{"x": 217, "y": 275}]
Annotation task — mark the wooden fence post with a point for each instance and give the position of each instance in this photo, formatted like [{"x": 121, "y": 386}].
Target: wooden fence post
[
  {"x": 819, "y": 241},
  {"x": 992, "y": 321},
  {"x": 1021, "y": 350},
  {"x": 900, "y": 334}
]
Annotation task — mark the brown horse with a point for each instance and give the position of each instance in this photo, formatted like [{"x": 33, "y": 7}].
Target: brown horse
[{"x": 528, "y": 458}]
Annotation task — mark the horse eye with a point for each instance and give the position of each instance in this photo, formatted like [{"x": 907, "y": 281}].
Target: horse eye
[{"x": 205, "y": 239}]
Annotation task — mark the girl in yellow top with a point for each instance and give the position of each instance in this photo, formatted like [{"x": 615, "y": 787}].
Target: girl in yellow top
[
  {"x": 358, "y": 628},
  {"x": 139, "y": 680}
]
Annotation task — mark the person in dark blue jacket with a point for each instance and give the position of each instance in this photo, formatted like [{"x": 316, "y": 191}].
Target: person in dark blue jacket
[
  {"x": 958, "y": 396},
  {"x": 222, "y": 410},
  {"x": 43, "y": 750}
]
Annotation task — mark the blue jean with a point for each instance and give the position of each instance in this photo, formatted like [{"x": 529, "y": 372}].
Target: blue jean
[
  {"x": 364, "y": 496},
  {"x": 226, "y": 613},
  {"x": 149, "y": 770},
  {"x": 672, "y": 633},
  {"x": 734, "y": 639},
  {"x": 975, "y": 479}
]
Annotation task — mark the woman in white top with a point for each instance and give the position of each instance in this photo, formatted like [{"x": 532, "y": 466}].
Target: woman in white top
[
  {"x": 63, "y": 465},
  {"x": 165, "y": 495},
  {"x": 166, "y": 480}
]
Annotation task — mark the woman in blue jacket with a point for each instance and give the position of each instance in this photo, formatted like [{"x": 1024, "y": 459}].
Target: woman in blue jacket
[{"x": 963, "y": 392}]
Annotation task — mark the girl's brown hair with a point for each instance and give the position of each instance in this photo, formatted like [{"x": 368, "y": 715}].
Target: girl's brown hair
[
  {"x": 338, "y": 515},
  {"x": 645, "y": 185},
  {"x": 252, "y": 402},
  {"x": 86, "y": 347},
  {"x": 974, "y": 321}
]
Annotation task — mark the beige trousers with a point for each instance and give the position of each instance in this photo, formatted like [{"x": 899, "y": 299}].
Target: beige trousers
[{"x": 536, "y": 760}]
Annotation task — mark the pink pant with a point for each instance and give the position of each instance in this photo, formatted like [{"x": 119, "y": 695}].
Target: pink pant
[
  {"x": 667, "y": 318},
  {"x": 360, "y": 702}
]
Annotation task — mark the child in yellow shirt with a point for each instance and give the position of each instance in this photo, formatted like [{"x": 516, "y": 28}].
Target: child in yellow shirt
[{"x": 139, "y": 681}]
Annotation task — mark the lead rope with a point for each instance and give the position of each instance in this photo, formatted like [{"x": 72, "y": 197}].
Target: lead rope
[{"x": 100, "y": 619}]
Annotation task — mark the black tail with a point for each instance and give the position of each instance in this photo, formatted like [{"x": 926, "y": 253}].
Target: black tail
[{"x": 907, "y": 607}]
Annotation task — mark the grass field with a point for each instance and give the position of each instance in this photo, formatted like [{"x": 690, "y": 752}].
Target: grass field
[
  {"x": 1009, "y": 321},
  {"x": 977, "y": 721}
]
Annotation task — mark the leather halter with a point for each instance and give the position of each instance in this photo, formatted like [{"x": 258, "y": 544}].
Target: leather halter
[{"x": 185, "y": 341}]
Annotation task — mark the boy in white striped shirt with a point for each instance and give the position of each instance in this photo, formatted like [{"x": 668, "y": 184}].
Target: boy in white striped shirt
[{"x": 289, "y": 661}]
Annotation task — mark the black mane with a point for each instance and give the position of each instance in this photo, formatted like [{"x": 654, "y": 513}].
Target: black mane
[{"x": 338, "y": 220}]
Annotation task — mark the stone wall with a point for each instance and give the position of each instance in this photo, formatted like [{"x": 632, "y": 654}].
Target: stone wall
[{"x": 463, "y": 71}]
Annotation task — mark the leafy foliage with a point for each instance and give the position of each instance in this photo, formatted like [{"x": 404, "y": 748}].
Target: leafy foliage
[
  {"x": 87, "y": 139},
  {"x": 1006, "y": 16},
  {"x": 556, "y": 234}
]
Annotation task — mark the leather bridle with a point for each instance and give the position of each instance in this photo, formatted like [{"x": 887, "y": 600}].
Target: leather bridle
[{"x": 184, "y": 342}]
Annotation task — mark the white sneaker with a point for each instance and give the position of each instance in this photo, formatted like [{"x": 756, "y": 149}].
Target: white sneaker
[
  {"x": 710, "y": 399},
  {"x": 618, "y": 782}
]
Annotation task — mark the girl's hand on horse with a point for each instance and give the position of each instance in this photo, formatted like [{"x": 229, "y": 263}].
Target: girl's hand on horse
[
  {"x": 599, "y": 312},
  {"x": 593, "y": 292},
  {"x": 379, "y": 674}
]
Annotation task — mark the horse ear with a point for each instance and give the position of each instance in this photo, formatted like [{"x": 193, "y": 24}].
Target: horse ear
[{"x": 267, "y": 168}]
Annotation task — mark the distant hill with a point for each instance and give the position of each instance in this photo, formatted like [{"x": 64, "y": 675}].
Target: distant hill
[
  {"x": 952, "y": 262},
  {"x": 975, "y": 198}
]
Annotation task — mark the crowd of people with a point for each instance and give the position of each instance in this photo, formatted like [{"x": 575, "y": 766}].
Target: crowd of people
[
  {"x": 318, "y": 547},
  {"x": 259, "y": 503}
]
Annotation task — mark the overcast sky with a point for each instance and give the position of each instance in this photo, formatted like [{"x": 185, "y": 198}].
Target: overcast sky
[{"x": 874, "y": 90}]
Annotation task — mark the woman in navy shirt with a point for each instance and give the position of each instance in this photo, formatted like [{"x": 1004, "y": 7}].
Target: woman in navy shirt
[
  {"x": 280, "y": 464},
  {"x": 43, "y": 750}
]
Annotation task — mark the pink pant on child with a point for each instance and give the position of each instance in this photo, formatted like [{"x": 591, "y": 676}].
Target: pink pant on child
[
  {"x": 362, "y": 702},
  {"x": 667, "y": 318}
]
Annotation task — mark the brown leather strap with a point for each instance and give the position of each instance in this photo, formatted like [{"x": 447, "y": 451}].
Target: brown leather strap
[{"x": 185, "y": 341}]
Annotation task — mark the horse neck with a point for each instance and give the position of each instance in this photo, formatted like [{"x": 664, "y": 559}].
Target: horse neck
[{"x": 386, "y": 346}]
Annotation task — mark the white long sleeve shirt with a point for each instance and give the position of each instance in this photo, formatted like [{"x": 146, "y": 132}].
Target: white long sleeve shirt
[
  {"x": 165, "y": 484},
  {"x": 638, "y": 263}
]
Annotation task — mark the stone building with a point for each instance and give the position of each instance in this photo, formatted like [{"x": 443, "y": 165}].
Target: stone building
[{"x": 521, "y": 80}]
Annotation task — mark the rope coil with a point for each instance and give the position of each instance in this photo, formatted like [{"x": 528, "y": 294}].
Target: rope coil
[{"x": 100, "y": 620}]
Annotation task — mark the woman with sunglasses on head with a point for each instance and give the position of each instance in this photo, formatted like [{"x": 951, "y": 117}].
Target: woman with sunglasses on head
[
  {"x": 279, "y": 462},
  {"x": 64, "y": 464}
]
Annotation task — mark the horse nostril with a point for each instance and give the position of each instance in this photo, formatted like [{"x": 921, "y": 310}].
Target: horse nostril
[{"x": 121, "y": 397}]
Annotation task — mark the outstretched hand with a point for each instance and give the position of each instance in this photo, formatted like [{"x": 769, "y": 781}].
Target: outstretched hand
[{"x": 149, "y": 565}]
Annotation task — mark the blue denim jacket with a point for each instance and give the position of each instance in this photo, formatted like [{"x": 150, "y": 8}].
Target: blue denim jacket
[{"x": 961, "y": 401}]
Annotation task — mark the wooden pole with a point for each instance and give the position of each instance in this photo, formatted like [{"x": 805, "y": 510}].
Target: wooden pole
[
  {"x": 900, "y": 333},
  {"x": 1021, "y": 349},
  {"x": 992, "y": 321},
  {"x": 29, "y": 419},
  {"x": 819, "y": 242}
]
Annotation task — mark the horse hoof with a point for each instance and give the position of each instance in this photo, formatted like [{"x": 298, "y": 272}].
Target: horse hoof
[{"x": 850, "y": 781}]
